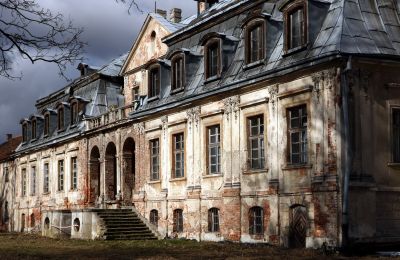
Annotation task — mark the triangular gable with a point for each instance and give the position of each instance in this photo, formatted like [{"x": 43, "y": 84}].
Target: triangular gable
[{"x": 143, "y": 49}]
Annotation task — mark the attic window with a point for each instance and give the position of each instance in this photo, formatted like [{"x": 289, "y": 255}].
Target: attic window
[
  {"x": 60, "y": 119},
  {"x": 74, "y": 113},
  {"x": 255, "y": 41},
  {"x": 153, "y": 41},
  {"x": 25, "y": 132},
  {"x": 295, "y": 26},
  {"x": 213, "y": 58},
  {"x": 46, "y": 124},
  {"x": 154, "y": 81},
  {"x": 34, "y": 124},
  {"x": 178, "y": 72}
]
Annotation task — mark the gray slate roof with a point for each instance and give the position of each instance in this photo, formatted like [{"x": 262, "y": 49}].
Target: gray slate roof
[{"x": 336, "y": 27}]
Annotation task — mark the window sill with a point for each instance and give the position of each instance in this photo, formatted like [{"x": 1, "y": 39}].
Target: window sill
[
  {"x": 255, "y": 171},
  {"x": 46, "y": 193},
  {"x": 295, "y": 50},
  {"x": 60, "y": 130},
  {"x": 177, "y": 90},
  {"x": 73, "y": 126},
  {"x": 34, "y": 140},
  {"x": 153, "y": 98},
  {"x": 46, "y": 135},
  {"x": 212, "y": 79},
  {"x": 154, "y": 181},
  {"x": 394, "y": 165},
  {"x": 177, "y": 179},
  {"x": 253, "y": 64},
  {"x": 296, "y": 167},
  {"x": 213, "y": 175},
  {"x": 73, "y": 190}
]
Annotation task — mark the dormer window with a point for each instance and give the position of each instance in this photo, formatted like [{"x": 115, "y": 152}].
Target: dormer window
[
  {"x": 34, "y": 127},
  {"x": 255, "y": 40},
  {"x": 213, "y": 59},
  {"x": 178, "y": 72},
  {"x": 60, "y": 118},
  {"x": 46, "y": 124},
  {"x": 295, "y": 26},
  {"x": 135, "y": 94},
  {"x": 154, "y": 81},
  {"x": 74, "y": 113},
  {"x": 24, "y": 132}
]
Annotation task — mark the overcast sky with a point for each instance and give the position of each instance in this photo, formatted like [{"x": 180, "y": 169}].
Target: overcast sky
[{"x": 109, "y": 31}]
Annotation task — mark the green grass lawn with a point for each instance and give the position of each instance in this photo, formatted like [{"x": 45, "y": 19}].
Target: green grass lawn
[{"x": 18, "y": 246}]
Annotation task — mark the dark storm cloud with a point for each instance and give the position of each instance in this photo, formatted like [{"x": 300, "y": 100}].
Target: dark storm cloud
[{"x": 109, "y": 32}]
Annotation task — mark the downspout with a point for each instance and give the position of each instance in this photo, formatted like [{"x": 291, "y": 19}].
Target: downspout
[{"x": 348, "y": 153}]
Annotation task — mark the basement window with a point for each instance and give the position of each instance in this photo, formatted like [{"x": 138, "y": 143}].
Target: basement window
[
  {"x": 178, "y": 221},
  {"x": 154, "y": 217},
  {"x": 256, "y": 215},
  {"x": 213, "y": 220}
]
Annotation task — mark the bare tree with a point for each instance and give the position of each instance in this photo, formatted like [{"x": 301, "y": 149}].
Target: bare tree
[
  {"x": 31, "y": 32},
  {"x": 131, "y": 4}
]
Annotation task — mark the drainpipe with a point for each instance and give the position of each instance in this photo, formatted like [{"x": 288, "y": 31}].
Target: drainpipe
[{"x": 348, "y": 153}]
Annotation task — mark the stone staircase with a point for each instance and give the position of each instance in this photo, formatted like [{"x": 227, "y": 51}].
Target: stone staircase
[{"x": 124, "y": 224}]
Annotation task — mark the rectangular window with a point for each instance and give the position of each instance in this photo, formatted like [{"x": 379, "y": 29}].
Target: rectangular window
[
  {"x": 178, "y": 221},
  {"x": 212, "y": 60},
  {"x": 46, "y": 124},
  {"x": 396, "y": 134},
  {"x": 135, "y": 94},
  {"x": 155, "y": 159},
  {"x": 46, "y": 178},
  {"x": 23, "y": 182},
  {"x": 74, "y": 173},
  {"x": 6, "y": 174},
  {"x": 34, "y": 129},
  {"x": 154, "y": 82},
  {"x": 214, "y": 149},
  {"x": 256, "y": 142},
  {"x": 74, "y": 113},
  {"x": 179, "y": 155},
  {"x": 33, "y": 180},
  {"x": 60, "y": 118},
  {"x": 60, "y": 175},
  {"x": 177, "y": 73},
  {"x": 255, "y": 43},
  {"x": 24, "y": 133},
  {"x": 296, "y": 21},
  {"x": 297, "y": 134}
]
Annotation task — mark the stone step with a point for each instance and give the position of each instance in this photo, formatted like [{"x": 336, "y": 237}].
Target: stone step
[
  {"x": 127, "y": 229},
  {"x": 129, "y": 233},
  {"x": 133, "y": 226},
  {"x": 130, "y": 238}
]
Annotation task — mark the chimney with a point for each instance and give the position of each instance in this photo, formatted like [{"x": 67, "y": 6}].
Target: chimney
[
  {"x": 203, "y": 5},
  {"x": 176, "y": 15},
  {"x": 163, "y": 13},
  {"x": 9, "y": 137}
]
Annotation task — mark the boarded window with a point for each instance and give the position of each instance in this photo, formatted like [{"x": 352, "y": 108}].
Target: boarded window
[
  {"x": 155, "y": 159},
  {"x": 396, "y": 134},
  {"x": 297, "y": 134},
  {"x": 256, "y": 225},
  {"x": 214, "y": 149},
  {"x": 213, "y": 220},
  {"x": 154, "y": 217},
  {"x": 256, "y": 142},
  {"x": 179, "y": 155},
  {"x": 178, "y": 221},
  {"x": 74, "y": 173},
  {"x": 60, "y": 175},
  {"x": 46, "y": 178}
]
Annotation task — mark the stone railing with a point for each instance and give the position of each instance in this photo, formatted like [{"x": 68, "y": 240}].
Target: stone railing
[{"x": 113, "y": 116}]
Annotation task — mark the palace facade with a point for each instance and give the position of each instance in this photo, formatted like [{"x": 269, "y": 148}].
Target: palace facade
[{"x": 252, "y": 121}]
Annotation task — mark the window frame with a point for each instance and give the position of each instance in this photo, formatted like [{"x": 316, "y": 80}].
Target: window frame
[
  {"x": 394, "y": 160},
  {"x": 177, "y": 221},
  {"x": 34, "y": 129},
  {"x": 181, "y": 152},
  {"x": 6, "y": 174},
  {"x": 152, "y": 156},
  {"x": 23, "y": 182},
  {"x": 180, "y": 57},
  {"x": 210, "y": 42},
  {"x": 210, "y": 146},
  {"x": 249, "y": 25},
  {"x": 289, "y": 10},
  {"x": 60, "y": 118},
  {"x": 152, "y": 95},
  {"x": 60, "y": 175},
  {"x": 74, "y": 173},
  {"x": 74, "y": 112},
  {"x": 255, "y": 227},
  {"x": 261, "y": 138},
  {"x": 46, "y": 178},
  {"x": 46, "y": 128},
  {"x": 135, "y": 93},
  {"x": 25, "y": 132},
  {"x": 292, "y": 130},
  {"x": 213, "y": 220},
  {"x": 33, "y": 181}
]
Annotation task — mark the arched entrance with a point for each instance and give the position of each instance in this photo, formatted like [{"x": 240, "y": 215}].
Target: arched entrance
[
  {"x": 94, "y": 177},
  {"x": 298, "y": 226},
  {"x": 111, "y": 172},
  {"x": 128, "y": 167},
  {"x": 23, "y": 222}
]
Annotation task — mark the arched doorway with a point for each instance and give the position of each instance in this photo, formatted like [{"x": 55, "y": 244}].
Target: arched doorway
[
  {"x": 298, "y": 226},
  {"x": 128, "y": 170},
  {"x": 23, "y": 222},
  {"x": 94, "y": 177},
  {"x": 111, "y": 172}
]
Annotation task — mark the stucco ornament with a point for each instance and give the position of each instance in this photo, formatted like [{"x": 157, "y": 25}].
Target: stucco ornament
[
  {"x": 273, "y": 92},
  {"x": 164, "y": 121},
  {"x": 193, "y": 116},
  {"x": 139, "y": 128},
  {"x": 318, "y": 80},
  {"x": 231, "y": 106}
]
